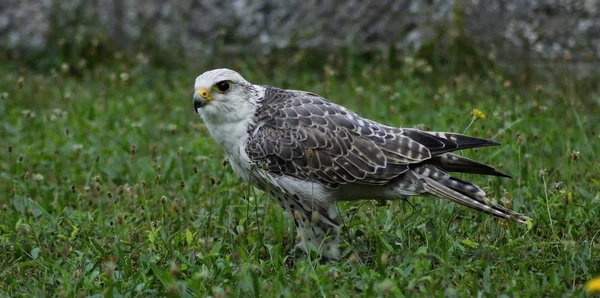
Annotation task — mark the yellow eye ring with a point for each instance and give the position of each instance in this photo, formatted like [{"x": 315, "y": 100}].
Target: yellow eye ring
[{"x": 222, "y": 86}]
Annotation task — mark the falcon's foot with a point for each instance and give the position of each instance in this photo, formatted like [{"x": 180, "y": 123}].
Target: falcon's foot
[{"x": 321, "y": 236}]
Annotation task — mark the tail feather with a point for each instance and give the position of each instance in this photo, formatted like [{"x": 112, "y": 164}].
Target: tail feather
[
  {"x": 437, "y": 182},
  {"x": 466, "y": 188},
  {"x": 463, "y": 141},
  {"x": 432, "y": 176},
  {"x": 456, "y": 163}
]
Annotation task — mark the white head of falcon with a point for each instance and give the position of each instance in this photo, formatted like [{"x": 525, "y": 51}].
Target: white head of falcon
[
  {"x": 308, "y": 153},
  {"x": 223, "y": 95}
]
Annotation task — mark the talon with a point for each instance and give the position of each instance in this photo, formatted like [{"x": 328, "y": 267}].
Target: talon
[{"x": 299, "y": 248}]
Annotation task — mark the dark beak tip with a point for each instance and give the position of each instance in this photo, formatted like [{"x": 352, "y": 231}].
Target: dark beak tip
[{"x": 198, "y": 103}]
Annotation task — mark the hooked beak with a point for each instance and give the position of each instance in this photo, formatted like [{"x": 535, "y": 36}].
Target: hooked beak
[{"x": 202, "y": 97}]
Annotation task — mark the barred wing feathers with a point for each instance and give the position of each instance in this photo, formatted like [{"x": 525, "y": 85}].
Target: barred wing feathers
[{"x": 305, "y": 136}]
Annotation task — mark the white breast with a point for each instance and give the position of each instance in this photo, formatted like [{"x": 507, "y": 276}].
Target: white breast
[
  {"x": 232, "y": 138},
  {"x": 240, "y": 163}
]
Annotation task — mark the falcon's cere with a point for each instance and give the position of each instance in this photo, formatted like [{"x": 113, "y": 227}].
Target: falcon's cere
[{"x": 309, "y": 153}]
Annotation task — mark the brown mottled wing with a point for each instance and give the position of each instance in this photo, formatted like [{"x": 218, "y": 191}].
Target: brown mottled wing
[{"x": 302, "y": 135}]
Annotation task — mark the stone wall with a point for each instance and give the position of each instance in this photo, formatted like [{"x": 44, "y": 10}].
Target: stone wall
[{"x": 509, "y": 29}]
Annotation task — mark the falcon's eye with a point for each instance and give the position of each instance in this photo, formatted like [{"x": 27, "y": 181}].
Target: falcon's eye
[{"x": 222, "y": 86}]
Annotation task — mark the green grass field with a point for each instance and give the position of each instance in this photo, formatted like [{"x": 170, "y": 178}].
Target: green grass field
[{"x": 110, "y": 185}]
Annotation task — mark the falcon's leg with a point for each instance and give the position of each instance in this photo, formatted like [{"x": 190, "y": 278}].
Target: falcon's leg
[
  {"x": 316, "y": 220},
  {"x": 318, "y": 230},
  {"x": 317, "y": 225}
]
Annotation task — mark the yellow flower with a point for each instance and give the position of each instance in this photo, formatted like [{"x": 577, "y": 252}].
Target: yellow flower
[
  {"x": 478, "y": 114},
  {"x": 593, "y": 285}
]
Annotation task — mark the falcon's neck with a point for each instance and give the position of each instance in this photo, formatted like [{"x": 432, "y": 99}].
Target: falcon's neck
[
  {"x": 228, "y": 123},
  {"x": 232, "y": 137}
]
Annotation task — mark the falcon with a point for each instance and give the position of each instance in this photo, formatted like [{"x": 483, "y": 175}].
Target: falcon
[{"x": 308, "y": 153}]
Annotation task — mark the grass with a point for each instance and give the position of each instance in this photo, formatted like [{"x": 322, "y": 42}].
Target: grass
[{"x": 110, "y": 185}]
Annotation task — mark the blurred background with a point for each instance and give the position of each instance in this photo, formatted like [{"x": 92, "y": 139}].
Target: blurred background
[
  {"x": 110, "y": 183},
  {"x": 518, "y": 34}
]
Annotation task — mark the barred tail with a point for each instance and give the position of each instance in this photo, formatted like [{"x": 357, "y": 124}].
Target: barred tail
[
  {"x": 456, "y": 163},
  {"x": 438, "y": 182}
]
